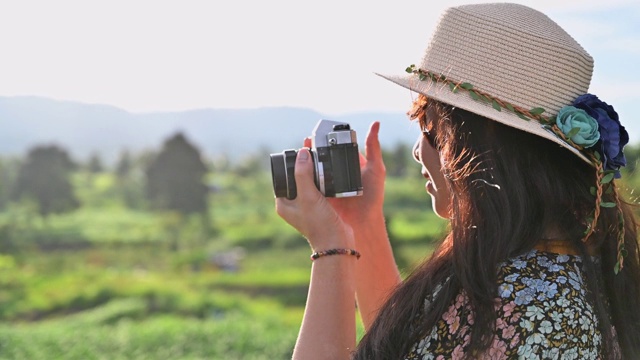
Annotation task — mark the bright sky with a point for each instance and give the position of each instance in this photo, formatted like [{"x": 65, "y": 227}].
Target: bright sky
[{"x": 175, "y": 55}]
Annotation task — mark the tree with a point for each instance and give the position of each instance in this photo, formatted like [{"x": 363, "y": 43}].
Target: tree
[
  {"x": 630, "y": 180},
  {"x": 253, "y": 164},
  {"x": 8, "y": 170},
  {"x": 632, "y": 154},
  {"x": 131, "y": 179},
  {"x": 94, "y": 165},
  {"x": 175, "y": 178},
  {"x": 124, "y": 165},
  {"x": 397, "y": 160},
  {"x": 44, "y": 177}
]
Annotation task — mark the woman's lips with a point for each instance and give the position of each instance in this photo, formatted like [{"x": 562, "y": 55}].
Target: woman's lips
[{"x": 428, "y": 185}]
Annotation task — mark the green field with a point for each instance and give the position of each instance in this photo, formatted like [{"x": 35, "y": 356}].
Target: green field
[
  {"x": 108, "y": 281},
  {"x": 115, "y": 279}
]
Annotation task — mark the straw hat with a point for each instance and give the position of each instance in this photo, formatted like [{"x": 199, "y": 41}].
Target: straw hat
[{"x": 500, "y": 61}]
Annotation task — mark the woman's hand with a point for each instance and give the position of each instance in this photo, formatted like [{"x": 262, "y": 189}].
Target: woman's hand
[
  {"x": 356, "y": 222},
  {"x": 310, "y": 213},
  {"x": 332, "y": 285}
]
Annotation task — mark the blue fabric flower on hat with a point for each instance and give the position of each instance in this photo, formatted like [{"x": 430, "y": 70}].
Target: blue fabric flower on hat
[
  {"x": 613, "y": 136},
  {"x": 578, "y": 126}
]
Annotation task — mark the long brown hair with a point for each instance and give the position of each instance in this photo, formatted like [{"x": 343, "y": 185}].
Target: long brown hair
[{"x": 507, "y": 188}]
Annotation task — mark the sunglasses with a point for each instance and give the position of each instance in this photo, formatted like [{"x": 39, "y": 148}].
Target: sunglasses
[{"x": 430, "y": 135}]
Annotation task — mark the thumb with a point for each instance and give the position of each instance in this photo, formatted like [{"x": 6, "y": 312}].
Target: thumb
[{"x": 304, "y": 173}]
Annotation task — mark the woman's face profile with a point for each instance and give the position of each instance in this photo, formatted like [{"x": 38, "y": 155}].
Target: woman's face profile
[{"x": 426, "y": 155}]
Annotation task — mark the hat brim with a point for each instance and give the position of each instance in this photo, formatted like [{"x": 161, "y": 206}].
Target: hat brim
[{"x": 461, "y": 99}]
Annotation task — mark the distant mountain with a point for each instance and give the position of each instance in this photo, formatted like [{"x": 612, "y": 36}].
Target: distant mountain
[{"x": 86, "y": 128}]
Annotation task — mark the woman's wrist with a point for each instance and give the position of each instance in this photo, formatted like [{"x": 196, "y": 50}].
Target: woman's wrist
[
  {"x": 374, "y": 225},
  {"x": 332, "y": 239}
]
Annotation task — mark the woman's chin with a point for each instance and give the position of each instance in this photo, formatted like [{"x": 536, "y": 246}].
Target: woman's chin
[
  {"x": 435, "y": 203},
  {"x": 438, "y": 209},
  {"x": 438, "y": 213},
  {"x": 429, "y": 187}
]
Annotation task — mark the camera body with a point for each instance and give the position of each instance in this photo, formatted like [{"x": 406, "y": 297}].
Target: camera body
[{"x": 336, "y": 161}]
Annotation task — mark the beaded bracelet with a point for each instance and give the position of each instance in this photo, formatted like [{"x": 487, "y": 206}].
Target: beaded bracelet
[{"x": 319, "y": 254}]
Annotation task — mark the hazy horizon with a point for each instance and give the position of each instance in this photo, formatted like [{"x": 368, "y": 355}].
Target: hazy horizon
[{"x": 149, "y": 56}]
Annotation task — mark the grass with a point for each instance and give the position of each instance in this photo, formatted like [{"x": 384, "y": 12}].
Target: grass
[
  {"x": 107, "y": 282},
  {"x": 84, "y": 311},
  {"x": 116, "y": 280},
  {"x": 110, "y": 332},
  {"x": 104, "y": 282}
]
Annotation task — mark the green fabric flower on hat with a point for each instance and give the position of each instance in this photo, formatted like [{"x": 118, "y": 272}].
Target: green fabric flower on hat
[{"x": 578, "y": 126}]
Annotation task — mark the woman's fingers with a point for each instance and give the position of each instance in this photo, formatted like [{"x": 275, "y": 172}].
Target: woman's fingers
[
  {"x": 309, "y": 212},
  {"x": 372, "y": 144},
  {"x": 307, "y": 142},
  {"x": 296, "y": 211},
  {"x": 373, "y": 151},
  {"x": 304, "y": 175},
  {"x": 372, "y": 148}
]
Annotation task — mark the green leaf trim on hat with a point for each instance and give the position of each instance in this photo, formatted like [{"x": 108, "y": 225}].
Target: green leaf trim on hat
[{"x": 479, "y": 95}]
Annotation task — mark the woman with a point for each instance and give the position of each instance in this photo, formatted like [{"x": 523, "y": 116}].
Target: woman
[{"x": 542, "y": 257}]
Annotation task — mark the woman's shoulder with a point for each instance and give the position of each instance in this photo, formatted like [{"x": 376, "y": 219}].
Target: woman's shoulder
[
  {"x": 542, "y": 302},
  {"x": 541, "y": 265},
  {"x": 542, "y": 311},
  {"x": 549, "y": 281}
]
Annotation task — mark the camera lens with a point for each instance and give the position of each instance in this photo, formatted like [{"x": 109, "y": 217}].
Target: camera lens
[
  {"x": 283, "y": 174},
  {"x": 278, "y": 175}
]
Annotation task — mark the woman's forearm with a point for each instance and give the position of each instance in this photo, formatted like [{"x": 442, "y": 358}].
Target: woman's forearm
[
  {"x": 328, "y": 327},
  {"x": 377, "y": 273}
]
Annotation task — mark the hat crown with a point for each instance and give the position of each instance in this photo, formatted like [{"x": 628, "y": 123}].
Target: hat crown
[{"x": 515, "y": 53}]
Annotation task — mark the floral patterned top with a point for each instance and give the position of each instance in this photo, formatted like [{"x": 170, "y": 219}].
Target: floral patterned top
[{"x": 542, "y": 314}]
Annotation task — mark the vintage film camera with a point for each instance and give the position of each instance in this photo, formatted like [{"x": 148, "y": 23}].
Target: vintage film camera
[{"x": 335, "y": 155}]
